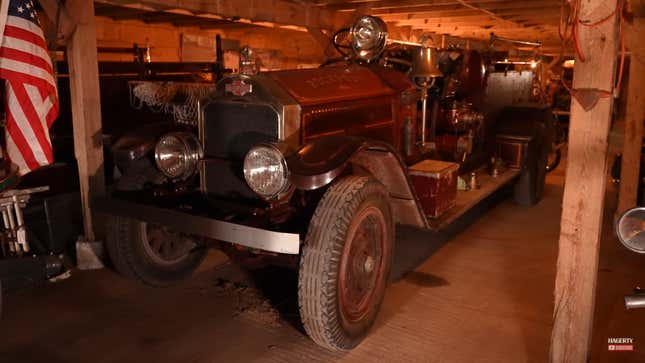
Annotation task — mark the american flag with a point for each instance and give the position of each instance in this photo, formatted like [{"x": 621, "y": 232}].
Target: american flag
[{"x": 31, "y": 102}]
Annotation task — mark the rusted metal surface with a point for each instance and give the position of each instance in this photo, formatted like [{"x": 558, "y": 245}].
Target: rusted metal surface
[
  {"x": 363, "y": 262},
  {"x": 371, "y": 117},
  {"x": 318, "y": 86},
  {"x": 512, "y": 150},
  {"x": 351, "y": 100},
  {"x": 388, "y": 168}
]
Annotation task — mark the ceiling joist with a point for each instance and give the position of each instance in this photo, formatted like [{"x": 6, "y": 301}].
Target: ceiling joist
[
  {"x": 279, "y": 12},
  {"x": 473, "y": 19}
]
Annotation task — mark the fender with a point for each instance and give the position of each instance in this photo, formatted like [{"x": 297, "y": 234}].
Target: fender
[
  {"x": 319, "y": 162},
  {"x": 137, "y": 143}
]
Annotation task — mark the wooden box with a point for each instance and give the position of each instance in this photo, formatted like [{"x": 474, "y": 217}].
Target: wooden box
[
  {"x": 436, "y": 185},
  {"x": 512, "y": 149}
]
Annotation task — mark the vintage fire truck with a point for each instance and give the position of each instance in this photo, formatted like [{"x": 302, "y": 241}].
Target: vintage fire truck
[{"x": 322, "y": 165}]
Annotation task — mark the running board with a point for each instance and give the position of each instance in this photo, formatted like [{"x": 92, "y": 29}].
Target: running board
[{"x": 467, "y": 199}]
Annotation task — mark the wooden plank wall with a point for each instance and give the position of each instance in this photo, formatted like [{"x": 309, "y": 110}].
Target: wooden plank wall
[{"x": 279, "y": 48}]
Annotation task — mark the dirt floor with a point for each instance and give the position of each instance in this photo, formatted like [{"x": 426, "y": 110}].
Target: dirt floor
[{"x": 486, "y": 296}]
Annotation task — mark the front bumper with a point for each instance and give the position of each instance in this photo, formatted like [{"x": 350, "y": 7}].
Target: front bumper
[{"x": 280, "y": 242}]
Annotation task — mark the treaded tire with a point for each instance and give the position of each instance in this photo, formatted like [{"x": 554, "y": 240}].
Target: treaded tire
[
  {"x": 339, "y": 213},
  {"x": 125, "y": 246}
]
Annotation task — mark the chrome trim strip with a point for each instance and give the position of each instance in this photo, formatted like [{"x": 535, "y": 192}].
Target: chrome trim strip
[
  {"x": 200, "y": 137},
  {"x": 280, "y": 242},
  {"x": 288, "y": 109}
]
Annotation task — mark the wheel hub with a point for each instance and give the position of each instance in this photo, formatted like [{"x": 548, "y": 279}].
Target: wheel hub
[
  {"x": 164, "y": 246},
  {"x": 362, "y": 263},
  {"x": 368, "y": 266}
]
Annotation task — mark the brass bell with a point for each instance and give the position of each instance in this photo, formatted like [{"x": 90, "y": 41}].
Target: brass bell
[{"x": 424, "y": 64}]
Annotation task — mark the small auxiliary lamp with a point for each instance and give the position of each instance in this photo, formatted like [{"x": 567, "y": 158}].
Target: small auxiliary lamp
[{"x": 424, "y": 72}]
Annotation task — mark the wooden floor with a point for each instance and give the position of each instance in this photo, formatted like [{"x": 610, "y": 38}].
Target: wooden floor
[{"x": 486, "y": 296}]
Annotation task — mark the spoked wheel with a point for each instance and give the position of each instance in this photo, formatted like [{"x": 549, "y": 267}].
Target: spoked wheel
[
  {"x": 151, "y": 253},
  {"x": 164, "y": 247},
  {"x": 345, "y": 262},
  {"x": 361, "y": 264}
]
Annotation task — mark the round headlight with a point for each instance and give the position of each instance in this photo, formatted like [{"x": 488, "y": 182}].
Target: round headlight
[
  {"x": 177, "y": 155},
  {"x": 265, "y": 171},
  {"x": 630, "y": 229},
  {"x": 369, "y": 35}
]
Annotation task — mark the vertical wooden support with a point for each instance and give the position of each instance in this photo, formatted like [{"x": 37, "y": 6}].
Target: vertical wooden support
[
  {"x": 584, "y": 191},
  {"x": 86, "y": 107},
  {"x": 634, "y": 118}
]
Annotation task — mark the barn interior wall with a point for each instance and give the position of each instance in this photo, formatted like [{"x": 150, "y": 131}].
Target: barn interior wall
[{"x": 277, "y": 48}]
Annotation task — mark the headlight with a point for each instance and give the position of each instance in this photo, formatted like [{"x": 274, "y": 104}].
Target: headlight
[
  {"x": 630, "y": 229},
  {"x": 177, "y": 155},
  {"x": 265, "y": 170},
  {"x": 368, "y": 35}
]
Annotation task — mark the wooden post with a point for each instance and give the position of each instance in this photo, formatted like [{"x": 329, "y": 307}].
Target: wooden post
[
  {"x": 86, "y": 113},
  {"x": 634, "y": 117},
  {"x": 584, "y": 191}
]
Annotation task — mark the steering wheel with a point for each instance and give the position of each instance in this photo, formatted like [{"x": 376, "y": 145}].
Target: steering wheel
[
  {"x": 339, "y": 40},
  {"x": 341, "y": 43}
]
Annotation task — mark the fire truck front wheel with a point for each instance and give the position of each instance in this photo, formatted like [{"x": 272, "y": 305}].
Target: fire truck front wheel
[
  {"x": 151, "y": 253},
  {"x": 345, "y": 262}
]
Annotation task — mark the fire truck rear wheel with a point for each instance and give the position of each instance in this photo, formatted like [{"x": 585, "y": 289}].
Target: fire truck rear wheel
[
  {"x": 151, "y": 253},
  {"x": 345, "y": 262}
]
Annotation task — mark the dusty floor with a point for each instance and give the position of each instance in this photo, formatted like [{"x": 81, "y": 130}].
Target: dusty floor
[{"x": 486, "y": 296}]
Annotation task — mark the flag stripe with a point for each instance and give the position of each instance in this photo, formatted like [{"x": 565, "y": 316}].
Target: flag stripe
[
  {"x": 27, "y": 120},
  {"x": 26, "y": 78},
  {"x": 26, "y": 35},
  {"x": 53, "y": 113},
  {"x": 21, "y": 67},
  {"x": 31, "y": 94},
  {"x": 21, "y": 144},
  {"x": 41, "y": 106},
  {"x": 20, "y": 56},
  {"x": 27, "y": 47},
  {"x": 25, "y": 25},
  {"x": 13, "y": 153}
]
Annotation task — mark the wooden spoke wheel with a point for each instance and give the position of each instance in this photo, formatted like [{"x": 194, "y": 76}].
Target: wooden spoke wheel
[
  {"x": 345, "y": 262},
  {"x": 151, "y": 253},
  {"x": 164, "y": 246},
  {"x": 361, "y": 266}
]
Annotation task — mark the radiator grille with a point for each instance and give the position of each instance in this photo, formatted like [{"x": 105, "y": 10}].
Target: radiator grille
[{"x": 231, "y": 128}]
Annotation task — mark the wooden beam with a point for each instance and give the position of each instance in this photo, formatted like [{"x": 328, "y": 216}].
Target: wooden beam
[
  {"x": 274, "y": 11},
  {"x": 584, "y": 189},
  {"x": 486, "y": 11},
  {"x": 469, "y": 14},
  {"x": 634, "y": 118},
  {"x": 394, "y": 6},
  {"x": 66, "y": 25},
  {"x": 86, "y": 107},
  {"x": 118, "y": 12}
]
